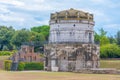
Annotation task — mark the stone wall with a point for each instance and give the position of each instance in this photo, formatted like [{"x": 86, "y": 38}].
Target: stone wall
[
  {"x": 26, "y": 54},
  {"x": 70, "y": 57},
  {"x": 67, "y": 32}
]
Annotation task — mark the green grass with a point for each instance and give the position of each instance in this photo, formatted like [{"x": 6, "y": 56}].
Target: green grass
[
  {"x": 38, "y": 75},
  {"x": 110, "y": 64}
]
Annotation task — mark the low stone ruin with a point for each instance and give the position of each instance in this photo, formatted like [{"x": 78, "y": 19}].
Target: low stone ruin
[{"x": 26, "y": 54}]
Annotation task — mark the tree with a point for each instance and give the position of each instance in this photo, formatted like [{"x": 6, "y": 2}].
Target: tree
[
  {"x": 112, "y": 39},
  {"x": 5, "y": 48},
  {"x": 42, "y": 29},
  {"x": 11, "y": 38},
  {"x": 5, "y": 37},
  {"x": 118, "y": 38},
  {"x": 96, "y": 38},
  {"x": 38, "y": 40},
  {"x": 104, "y": 40},
  {"x": 110, "y": 51},
  {"x": 35, "y": 37},
  {"x": 102, "y": 32},
  {"x": 20, "y": 37},
  {"x": 101, "y": 37}
]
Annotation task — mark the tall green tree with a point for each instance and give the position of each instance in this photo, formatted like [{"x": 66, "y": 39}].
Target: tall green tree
[
  {"x": 101, "y": 37},
  {"x": 96, "y": 38},
  {"x": 102, "y": 32},
  {"x": 42, "y": 29},
  {"x": 104, "y": 40},
  {"x": 35, "y": 37},
  {"x": 6, "y": 34},
  {"x": 20, "y": 37},
  {"x": 118, "y": 37},
  {"x": 112, "y": 39},
  {"x": 38, "y": 40}
]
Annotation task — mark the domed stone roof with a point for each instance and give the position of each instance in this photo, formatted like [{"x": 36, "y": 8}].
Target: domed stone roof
[{"x": 71, "y": 14}]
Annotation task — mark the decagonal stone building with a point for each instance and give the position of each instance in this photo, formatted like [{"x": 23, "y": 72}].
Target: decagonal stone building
[{"x": 71, "y": 42}]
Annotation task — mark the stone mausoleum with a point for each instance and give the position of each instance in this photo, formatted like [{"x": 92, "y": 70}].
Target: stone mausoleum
[{"x": 71, "y": 42}]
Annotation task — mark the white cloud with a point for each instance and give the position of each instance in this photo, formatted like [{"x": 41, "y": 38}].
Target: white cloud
[
  {"x": 42, "y": 22},
  {"x": 99, "y": 15},
  {"x": 12, "y": 2},
  {"x": 35, "y": 5},
  {"x": 98, "y": 1},
  {"x": 112, "y": 26},
  {"x": 3, "y": 9},
  {"x": 106, "y": 3},
  {"x": 12, "y": 18},
  {"x": 36, "y": 12},
  {"x": 39, "y": 1}
]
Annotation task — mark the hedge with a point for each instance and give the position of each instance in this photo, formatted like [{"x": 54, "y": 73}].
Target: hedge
[
  {"x": 21, "y": 66},
  {"x": 30, "y": 66},
  {"x": 34, "y": 66},
  {"x": 7, "y": 65},
  {"x": 24, "y": 65},
  {"x": 6, "y": 53}
]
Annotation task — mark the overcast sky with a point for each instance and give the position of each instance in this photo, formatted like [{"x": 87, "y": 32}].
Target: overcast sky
[{"x": 29, "y": 13}]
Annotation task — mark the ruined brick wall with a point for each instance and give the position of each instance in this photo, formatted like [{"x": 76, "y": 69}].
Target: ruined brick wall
[
  {"x": 27, "y": 54},
  {"x": 70, "y": 57}
]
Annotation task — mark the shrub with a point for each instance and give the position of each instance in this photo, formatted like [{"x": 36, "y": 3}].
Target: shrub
[
  {"x": 6, "y": 53},
  {"x": 21, "y": 66},
  {"x": 110, "y": 51},
  {"x": 7, "y": 64},
  {"x": 34, "y": 66},
  {"x": 24, "y": 65}
]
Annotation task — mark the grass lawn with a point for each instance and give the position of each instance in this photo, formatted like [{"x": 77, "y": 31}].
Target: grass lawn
[
  {"x": 110, "y": 64},
  {"x": 38, "y": 75}
]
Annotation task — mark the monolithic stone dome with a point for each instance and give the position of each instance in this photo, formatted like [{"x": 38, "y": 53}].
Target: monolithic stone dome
[
  {"x": 71, "y": 26},
  {"x": 71, "y": 14}
]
